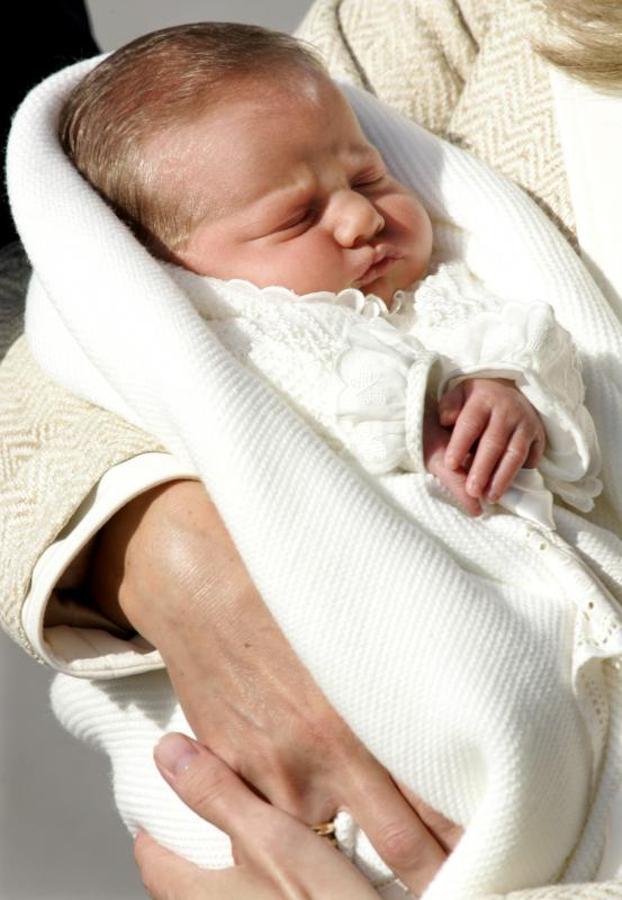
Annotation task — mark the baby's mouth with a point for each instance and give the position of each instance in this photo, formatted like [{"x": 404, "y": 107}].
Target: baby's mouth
[{"x": 384, "y": 257}]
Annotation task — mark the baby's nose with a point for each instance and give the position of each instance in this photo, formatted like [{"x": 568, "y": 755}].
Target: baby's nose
[{"x": 356, "y": 219}]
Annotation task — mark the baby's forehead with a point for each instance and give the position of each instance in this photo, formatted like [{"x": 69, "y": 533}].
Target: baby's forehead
[
  {"x": 309, "y": 111},
  {"x": 260, "y": 137}
]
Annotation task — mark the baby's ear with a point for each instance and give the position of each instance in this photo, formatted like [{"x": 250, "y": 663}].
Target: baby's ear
[{"x": 450, "y": 405}]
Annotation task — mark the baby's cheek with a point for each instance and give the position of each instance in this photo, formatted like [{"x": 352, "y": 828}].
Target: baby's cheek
[
  {"x": 304, "y": 264},
  {"x": 415, "y": 214}
]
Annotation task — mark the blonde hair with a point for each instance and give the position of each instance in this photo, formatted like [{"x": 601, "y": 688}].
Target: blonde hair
[
  {"x": 586, "y": 40},
  {"x": 147, "y": 87}
]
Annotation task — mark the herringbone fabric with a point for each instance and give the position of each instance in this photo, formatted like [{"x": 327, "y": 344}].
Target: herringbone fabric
[
  {"x": 397, "y": 47},
  {"x": 54, "y": 449},
  {"x": 505, "y": 113}
]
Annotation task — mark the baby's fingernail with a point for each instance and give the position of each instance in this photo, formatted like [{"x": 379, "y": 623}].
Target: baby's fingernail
[
  {"x": 451, "y": 462},
  {"x": 174, "y": 752}
]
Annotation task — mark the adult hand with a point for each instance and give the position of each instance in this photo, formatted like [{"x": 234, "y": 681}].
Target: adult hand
[
  {"x": 276, "y": 855},
  {"x": 181, "y": 583}
]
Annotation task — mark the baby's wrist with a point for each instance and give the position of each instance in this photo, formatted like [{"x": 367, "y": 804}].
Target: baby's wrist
[{"x": 498, "y": 379}]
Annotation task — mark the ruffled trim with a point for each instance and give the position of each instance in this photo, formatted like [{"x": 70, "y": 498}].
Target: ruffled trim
[
  {"x": 367, "y": 305},
  {"x": 236, "y": 295}
]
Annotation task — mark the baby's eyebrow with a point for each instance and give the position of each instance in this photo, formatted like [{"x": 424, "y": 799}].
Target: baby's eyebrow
[
  {"x": 361, "y": 155},
  {"x": 283, "y": 200},
  {"x": 269, "y": 209},
  {"x": 364, "y": 154},
  {"x": 288, "y": 197}
]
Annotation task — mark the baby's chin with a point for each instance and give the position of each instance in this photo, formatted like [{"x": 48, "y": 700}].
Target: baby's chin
[
  {"x": 385, "y": 288},
  {"x": 400, "y": 277}
]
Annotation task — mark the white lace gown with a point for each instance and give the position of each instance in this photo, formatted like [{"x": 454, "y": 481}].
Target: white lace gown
[{"x": 359, "y": 375}]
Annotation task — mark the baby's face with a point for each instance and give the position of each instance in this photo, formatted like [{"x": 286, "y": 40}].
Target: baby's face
[{"x": 295, "y": 195}]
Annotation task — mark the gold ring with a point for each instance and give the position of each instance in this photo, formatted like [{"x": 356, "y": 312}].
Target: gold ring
[{"x": 326, "y": 830}]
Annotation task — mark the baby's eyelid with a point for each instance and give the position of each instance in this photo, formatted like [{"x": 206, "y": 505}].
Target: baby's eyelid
[
  {"x": 302, "y": 217},
  {"x": 368, "y": 180}
]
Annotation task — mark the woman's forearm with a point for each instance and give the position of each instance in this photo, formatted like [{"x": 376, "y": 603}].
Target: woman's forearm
[{"x": 167, "y": 565}]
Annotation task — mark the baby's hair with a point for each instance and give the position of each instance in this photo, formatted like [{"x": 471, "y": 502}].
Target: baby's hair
[{"x": 147, "y": 87}]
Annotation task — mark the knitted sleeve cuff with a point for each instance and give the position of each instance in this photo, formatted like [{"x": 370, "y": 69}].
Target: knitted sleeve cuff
[{"x": 380, "y": 404}]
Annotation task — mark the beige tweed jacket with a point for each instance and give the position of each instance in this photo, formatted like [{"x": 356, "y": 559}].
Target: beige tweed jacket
[{"x": 466, "y": 70}]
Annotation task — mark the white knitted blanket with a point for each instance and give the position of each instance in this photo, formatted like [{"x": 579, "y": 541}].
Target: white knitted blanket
[{"x": 470, "y": 657}]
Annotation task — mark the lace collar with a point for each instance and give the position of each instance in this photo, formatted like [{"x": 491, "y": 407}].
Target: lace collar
[{"x": 237, "y": 292}]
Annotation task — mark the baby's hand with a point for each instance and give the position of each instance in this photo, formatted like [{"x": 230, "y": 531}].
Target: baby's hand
[
  {"x": 435, "y": 442},
  {"x": 494, "y": 415}
]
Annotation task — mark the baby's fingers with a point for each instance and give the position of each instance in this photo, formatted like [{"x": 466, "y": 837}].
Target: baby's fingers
[
  {"x": 534, "y": 457},
  {"x": 514, "y": 458},
  {"x": 449, "y": 406},
  {"x": 469, "y": 426},
  {"x": 455, "y": 482}
]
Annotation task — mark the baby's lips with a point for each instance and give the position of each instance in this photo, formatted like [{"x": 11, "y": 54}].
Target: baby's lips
[
  {"x": 363, "y": 268},
  {"x": 386, "y": 251},
  {"x": 382, "y": 260}
]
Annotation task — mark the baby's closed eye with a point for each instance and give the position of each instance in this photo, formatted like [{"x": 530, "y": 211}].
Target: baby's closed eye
[
  {"x": 303, "y": 218},
  {"x": 369, "y": 181}
]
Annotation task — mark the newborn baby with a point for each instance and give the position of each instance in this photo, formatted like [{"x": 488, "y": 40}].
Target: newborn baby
[
  {"x": 270, "y": 179},
  {"x": 238, "y": 163}
]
